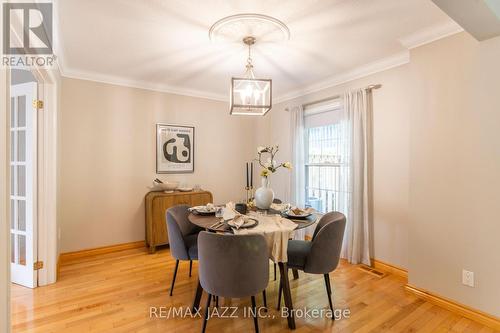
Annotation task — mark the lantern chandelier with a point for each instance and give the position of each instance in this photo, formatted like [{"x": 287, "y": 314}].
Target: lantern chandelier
[{"x": 249, "y": 95}]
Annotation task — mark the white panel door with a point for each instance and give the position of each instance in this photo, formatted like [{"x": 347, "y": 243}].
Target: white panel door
[{"x": 23, "y": 172}]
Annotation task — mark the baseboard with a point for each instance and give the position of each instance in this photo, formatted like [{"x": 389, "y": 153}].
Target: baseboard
[
  {"x": 58, "y": 266},
  {"x": 76, "y": 255},
  {"x": 464, "y": 310},
  {"x": 389, "y": 268}
]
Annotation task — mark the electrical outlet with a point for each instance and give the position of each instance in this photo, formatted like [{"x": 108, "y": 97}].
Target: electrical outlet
[{"x": 467, "y": 278}]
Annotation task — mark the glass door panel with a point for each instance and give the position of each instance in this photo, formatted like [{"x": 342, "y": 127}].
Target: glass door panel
[{"x": 23, "y": 161}]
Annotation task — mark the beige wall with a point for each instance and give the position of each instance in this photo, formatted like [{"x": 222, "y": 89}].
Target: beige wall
[
  {"x": 455, "y": 169},
  {"x": 391, "y": 156},
  {"x": 107, "y": 157}
]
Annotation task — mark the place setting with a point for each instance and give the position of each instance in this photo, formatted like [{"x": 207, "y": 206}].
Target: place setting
[{"x": 206, "y": 210}]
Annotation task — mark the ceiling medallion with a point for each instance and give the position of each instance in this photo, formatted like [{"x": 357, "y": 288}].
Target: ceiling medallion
[
  {"x": 264, "y": 28},
  {"x": 248, "y": 94}
]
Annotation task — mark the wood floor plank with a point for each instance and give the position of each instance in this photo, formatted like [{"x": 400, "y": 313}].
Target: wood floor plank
[{"x": 114, "y": 292}]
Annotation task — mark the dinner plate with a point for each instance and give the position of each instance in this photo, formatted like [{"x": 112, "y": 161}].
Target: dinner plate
[
  {"x": 202, "y": 210},
  {"x": 249, "y": 223},
  {"x": 297, "y": 216}
]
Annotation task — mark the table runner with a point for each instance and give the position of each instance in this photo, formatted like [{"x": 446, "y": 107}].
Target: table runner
[{"x": 276, "y": 229}]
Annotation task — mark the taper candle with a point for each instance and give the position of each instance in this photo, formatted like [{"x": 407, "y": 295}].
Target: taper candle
[
  {"x": 247, "y": 174},
  {"x": 251, "y": 174}
]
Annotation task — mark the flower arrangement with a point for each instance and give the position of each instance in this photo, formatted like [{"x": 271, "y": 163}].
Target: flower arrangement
[{"x": 270, "y": 165}]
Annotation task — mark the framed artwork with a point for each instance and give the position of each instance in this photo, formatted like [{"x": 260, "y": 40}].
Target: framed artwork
[{"x": 174, "y": 149}]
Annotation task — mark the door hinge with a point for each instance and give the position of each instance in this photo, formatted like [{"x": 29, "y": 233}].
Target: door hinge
[
  {"x": 37, "y": 104},
  {"x": 37, "y": 265}
]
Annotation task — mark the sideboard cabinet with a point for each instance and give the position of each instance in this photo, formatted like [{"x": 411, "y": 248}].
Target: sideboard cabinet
[{"x": 157, "y": 204}]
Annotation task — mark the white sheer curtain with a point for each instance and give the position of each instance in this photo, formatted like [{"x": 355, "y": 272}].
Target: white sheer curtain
[
  {"x": 297, "y": 181},
  {"x": 356, "y": 178}
]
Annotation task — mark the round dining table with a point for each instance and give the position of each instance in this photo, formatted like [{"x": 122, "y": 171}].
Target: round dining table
[{"x": 207, "y": 221}]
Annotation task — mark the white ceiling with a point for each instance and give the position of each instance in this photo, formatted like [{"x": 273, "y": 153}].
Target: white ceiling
[{"x": 164, "y": 45}]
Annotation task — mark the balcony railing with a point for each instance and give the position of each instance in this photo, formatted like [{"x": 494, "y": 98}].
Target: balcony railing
[{"x": 326, "y": 187}]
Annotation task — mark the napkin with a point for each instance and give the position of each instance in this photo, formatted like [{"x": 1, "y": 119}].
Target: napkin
[
  {"x": 229, "y": 212},
  {"x": 238, "y": 221},
  {"x": 308, "y": 210},
  {"x": 209, "y": 206}
]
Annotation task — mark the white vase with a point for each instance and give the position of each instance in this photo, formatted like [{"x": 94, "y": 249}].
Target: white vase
[{"x": 264, "y": 195}]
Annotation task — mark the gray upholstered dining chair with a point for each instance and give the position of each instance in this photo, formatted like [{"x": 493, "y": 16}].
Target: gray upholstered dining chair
[
  {"x": 322, "y": 254},
  {"x": 182, "y": 238},
  {"x": 232, "y": 266}
]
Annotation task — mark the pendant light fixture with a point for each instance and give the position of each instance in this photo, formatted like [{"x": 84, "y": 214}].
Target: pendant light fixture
[{"x": 250, "y": 95}]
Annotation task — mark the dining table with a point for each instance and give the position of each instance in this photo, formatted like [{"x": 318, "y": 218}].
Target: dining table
[{"x": 207, "y": 221}]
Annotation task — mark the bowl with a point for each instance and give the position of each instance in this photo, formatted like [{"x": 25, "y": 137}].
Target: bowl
[{"x": 165, "y": 186}]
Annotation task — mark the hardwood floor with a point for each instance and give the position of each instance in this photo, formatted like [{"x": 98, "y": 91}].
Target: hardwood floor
[{"x": 114, "y": 293}]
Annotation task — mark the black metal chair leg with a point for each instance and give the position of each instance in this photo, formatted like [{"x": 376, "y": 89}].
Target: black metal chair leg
[
  {"x": 264, "y": 298},
  {"x": 190, "y": 267},
  {"x": 254, "y": 309},
  {"x": 274, "y": 271},
  {"x": 329, "y": 291},
  {"x": 173, "y": 279},
  {"x": 279, "y": 295},
  {"x": 207, "y": 310},
  {"x": 216, "y": 301},
  {"x": 197, "y": 297}
]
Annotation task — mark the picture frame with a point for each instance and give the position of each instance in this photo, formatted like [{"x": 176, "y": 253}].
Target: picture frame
[{"x": 174, "y": 149}]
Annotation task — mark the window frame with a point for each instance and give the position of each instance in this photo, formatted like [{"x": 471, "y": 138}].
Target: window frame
[{"x": 332, "y": 106}]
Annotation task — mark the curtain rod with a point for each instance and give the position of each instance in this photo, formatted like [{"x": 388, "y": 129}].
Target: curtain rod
[{"x": 369, "y": 88}]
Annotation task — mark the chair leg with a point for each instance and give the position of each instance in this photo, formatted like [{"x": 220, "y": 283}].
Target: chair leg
[
  {"x": 207, "y": 310},
  {"x": 216, "y": 301},
  {"x": 190, "y": 267},
  {"x": 173, "y": 279},
  {"x": 329, "y": 291},
  {"x": 274, "y": 271},
  {"x": 254, "y": 309},
  {"x": 264, "y": 298},
  {"x": 279, "y": 294}
]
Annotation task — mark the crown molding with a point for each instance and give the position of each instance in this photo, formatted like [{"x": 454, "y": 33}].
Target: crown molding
[
  {"x": 430, "y": 34},
  {"x": 409, "y": 42},
  {"x": 414, "y": 40},
  {"x": 380, "y": 65},
  {"x": 120, "y": 81}
]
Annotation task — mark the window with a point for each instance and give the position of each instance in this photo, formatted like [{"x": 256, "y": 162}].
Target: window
[{"x": 325, "y": 162}]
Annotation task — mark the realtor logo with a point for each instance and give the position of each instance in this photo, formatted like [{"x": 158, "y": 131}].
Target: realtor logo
[
  {"x": 27, "y": 35},
  {"x": 27, "y": 28}
]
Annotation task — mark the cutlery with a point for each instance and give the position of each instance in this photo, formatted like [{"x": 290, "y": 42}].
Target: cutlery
[{"x": 215, "y": 224}]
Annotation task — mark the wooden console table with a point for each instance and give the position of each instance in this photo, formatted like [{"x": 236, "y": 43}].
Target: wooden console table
[{"x": 157, "y": 204}]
